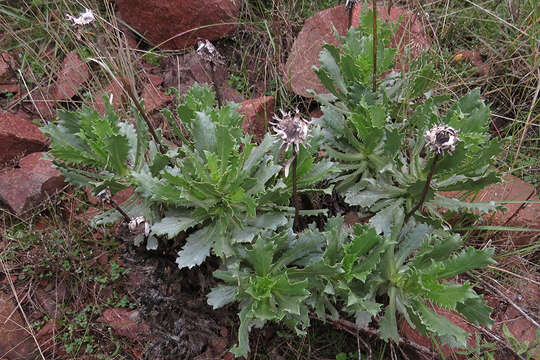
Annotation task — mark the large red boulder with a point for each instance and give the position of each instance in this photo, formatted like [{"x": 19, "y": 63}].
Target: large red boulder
[
  {"x": 178, "y": 24},
  {"x": 318, "y": 30},
  {"x": 19, "y": 136},
  {"x": 28, "y": 185}
]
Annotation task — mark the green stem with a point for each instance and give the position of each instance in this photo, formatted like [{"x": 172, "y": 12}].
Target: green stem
[
  {"x": 120, "y": 210},
  {"x": 295, "y": 192},
  {"x": 216, "y": 85},
  {"x": 425, "y": 191},
  {"x": 135, "y": 100},
  {"x": 351, "y": 8},
  {"x": 374, "y": 45}
]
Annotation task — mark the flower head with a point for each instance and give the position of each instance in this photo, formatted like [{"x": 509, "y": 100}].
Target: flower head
[
  {"x": 291, "y": 129},
  {"x": 139, "y": 225},
  {"x": 105, "y": 196},
  {"x": 86, "y": 17},
  {"x": 208, "y": 52},
  {"x": 441, "y": 138},
  {"x": 350, "y": 3}
]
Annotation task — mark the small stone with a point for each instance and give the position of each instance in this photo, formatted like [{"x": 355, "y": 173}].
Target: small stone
[
  {"x": 125, "y": 323},
  {"x": 258, "y": 113},
  {"x": 19, "y": 136},
  {"x": 27, "y": 186}
]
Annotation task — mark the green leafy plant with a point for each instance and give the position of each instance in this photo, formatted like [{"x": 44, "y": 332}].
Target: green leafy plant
[{"x": 232, "y": 198}]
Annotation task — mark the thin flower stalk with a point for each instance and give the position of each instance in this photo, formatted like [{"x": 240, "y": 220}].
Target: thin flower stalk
[
  {"x": 439, "y": 138},
  {"x": 292, "y": 130},
  {"x": 209, "y": 53},
  {"x": 105, "y": 197}
]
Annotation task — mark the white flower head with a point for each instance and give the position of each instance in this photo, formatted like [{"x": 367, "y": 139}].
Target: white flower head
[
  {"x": 441, "y": 138},
  {"x": 84, "y": 18},
  {"x": 138, "y": 224},
  {"x": 291, "y": 129},
  {"x": 105, "y": 196},
  {"x": 208, "y": 51},
  {"x": 350, "y": 3}
]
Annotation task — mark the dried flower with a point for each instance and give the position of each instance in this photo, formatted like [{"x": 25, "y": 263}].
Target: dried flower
[
  {"x": 105, "y": 196},
  {"x": 351, "y": 3},
  {"x": 208, "y": 52},
  {"x": 138, "y": 224},
  {"x": 291, "y": 129},
  {"x": 84, "y": 18},
  {"x": 441, "y": 138}
]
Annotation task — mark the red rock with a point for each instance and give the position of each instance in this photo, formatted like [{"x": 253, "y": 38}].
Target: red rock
[
  {"x": 154, "y": 98},
  {"x": 450, "y": 353},
  {"x": 24, "y": 187},
  {"x": 520, "y": 327},
  {"x": 16, "y": 342},
  {"x": 118, "y": 97},
  {"x": 230, "y": 94},
  {"x": 122, "y": 195},
  {"x": 46, "y": 337},
  {"x": 46, "y": 301},
  {"x": 316, "y": 113},
  {"x": 258, "y": 113},
  {"x": 128, "y": 37},
  {"x": 125, "y": 323},
  {"x": 7, "y": 67},
  {"x": 9, "y": 88},
  {"x": 155, "y": 79},
  {"x": 72, "y": 75},
  {"x": 42, "y": 102},
  {"x": 517, "y": 214},
  {"x": 229, "y": 356},
  {"x": 352, "y": 218},
  {"x": 174, "y": 24},
  {"x": 19, "y": 136},
  {"x": 318, "y": 29},
  {"x": 8, "y": 80}
]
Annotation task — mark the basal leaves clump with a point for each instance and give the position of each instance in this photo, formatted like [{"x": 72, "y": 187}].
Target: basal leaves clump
[{"x": 386, "y": 153}]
